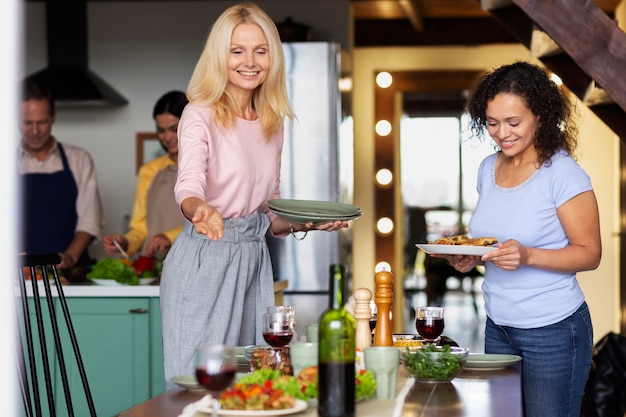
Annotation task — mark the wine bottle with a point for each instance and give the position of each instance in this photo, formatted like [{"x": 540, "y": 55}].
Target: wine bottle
[{"x": 337, "y": 349}]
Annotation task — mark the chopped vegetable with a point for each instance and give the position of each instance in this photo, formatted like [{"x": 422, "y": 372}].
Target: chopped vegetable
[
  {"x": 144, "y": 264},
  {"x": 115, "y": 269},
  {"x": 365, "y": 386},
  {"x": 432, "y": 362}
]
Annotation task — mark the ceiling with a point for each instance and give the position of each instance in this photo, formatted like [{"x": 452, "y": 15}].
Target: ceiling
[{"x": 431, "y": 22}]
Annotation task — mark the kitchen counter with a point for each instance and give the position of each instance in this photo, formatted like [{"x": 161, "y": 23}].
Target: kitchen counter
[{"x": 93, "y": 290}]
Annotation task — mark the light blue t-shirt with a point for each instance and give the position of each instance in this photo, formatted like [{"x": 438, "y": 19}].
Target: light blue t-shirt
[{"x": 528, "y": 297}]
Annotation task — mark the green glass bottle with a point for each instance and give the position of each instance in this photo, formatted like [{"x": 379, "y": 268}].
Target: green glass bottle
[{"x": 337, "y": 350}]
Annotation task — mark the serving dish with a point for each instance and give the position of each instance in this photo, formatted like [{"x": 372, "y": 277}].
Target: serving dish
[
  {"x": 299, "y": 406},
  {"x": 434, "y": 364},
  {"x": 114, "y": 283},
  {"x": 490, "y": 362},
  {"x": 455, "y": 249}
]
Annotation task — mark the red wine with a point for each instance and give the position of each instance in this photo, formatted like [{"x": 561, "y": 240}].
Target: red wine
[
  {"x": 278, "y": 339},
  {"x": 336, "y": 400},
  {"x": 429, "y": 328},
  {"x": 215, "y": 382},
  {"x": 372, "y": 324}
]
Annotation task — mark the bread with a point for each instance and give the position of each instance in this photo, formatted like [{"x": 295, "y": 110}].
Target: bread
[
  {"x": 465, "y": 241},
  {"x": 308, "y": 374}
]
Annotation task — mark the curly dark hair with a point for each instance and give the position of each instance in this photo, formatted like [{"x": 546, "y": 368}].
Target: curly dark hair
[{"x": 556, "y": 130}]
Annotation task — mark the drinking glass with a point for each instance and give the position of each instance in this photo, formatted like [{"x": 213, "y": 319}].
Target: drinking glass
[
  {"x": 429, "y": 323},
  {"x": 215, "y": 370},
  {"x": 279, "y": 325}
]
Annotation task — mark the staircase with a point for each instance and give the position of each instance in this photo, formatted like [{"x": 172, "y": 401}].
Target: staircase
[{"x": 580, "y": 43}]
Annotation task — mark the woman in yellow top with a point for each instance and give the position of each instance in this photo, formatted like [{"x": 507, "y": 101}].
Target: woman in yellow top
[{"x": 156, "y": 218}]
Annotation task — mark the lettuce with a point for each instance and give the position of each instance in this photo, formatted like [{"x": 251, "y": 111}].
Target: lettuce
[{"x": 109, "y": 268}]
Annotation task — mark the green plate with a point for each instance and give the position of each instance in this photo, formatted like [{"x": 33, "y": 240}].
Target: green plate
[
  {"x": 314, "y": 208},
  {"x": 490, "y": 362}
]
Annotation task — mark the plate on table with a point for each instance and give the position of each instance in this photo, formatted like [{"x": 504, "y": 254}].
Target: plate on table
[
  {"x": 314, "y": 207},
  {"x": 490, "y": 361},
  {"x": 455, "y": 249},
  {"x": 299, "y": 406},
  {"x": 114, "y": 283},
  {"x": 188, "y": 382}
]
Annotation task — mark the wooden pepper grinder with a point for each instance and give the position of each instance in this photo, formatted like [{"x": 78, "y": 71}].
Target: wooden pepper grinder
[
  {"x": 362, "y": 315},
  {"x": 384, "y": 300}
]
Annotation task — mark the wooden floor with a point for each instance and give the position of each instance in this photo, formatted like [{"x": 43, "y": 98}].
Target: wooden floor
[{"x": 463, "y": 324}]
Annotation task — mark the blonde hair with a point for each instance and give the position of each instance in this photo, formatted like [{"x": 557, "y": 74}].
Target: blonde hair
[{"x": 207, "y": 86}]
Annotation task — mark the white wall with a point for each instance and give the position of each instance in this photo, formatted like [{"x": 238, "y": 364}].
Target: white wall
[
  {"x": 597, "y": 146},
  {"x": 144, "y": 49}
]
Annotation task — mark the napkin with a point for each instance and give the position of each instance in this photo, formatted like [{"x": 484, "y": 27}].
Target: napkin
[{"x": 191, "y": 409}]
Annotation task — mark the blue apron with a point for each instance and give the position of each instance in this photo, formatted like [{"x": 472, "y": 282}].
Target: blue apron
[{"x": 49, "y": 211}]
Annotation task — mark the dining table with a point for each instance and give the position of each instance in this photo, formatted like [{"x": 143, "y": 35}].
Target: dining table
[{"x": 473, "y": 393}]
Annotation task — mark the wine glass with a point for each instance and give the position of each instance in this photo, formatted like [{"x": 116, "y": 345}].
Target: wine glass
[
  {"x": 279, "y": 323},
  {"x": 215, "y": 370},
  {"x": 429, "y": 323}
]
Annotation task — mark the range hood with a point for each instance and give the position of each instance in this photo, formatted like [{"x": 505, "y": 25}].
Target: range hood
[{"x": 68, "y": 74}]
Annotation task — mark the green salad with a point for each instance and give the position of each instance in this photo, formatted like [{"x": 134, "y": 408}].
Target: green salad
[
  {"x": 115, "y": 269},
  {"x": 433, "y": 363},
  {"x": 365, "y": 384}
]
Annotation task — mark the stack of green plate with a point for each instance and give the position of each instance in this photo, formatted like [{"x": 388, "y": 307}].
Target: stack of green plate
[{"x": 318, "y": 212}]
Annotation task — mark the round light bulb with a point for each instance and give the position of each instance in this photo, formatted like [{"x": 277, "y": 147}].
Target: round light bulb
[
  {"x": 384, "y": 176},
  {"x": 384, "y": 79},
  {"x": 384, "y": 225},
  {"x": 383, "y": 127}
]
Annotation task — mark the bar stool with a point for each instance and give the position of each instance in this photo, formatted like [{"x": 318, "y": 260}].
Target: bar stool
[{"x": 37, "y": 355}]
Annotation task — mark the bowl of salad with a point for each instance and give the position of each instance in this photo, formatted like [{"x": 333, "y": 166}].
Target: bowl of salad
[{"x": 432, "y": 364}]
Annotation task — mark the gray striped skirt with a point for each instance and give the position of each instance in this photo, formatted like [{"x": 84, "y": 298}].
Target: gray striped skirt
[{"x": 214, "y": 292}]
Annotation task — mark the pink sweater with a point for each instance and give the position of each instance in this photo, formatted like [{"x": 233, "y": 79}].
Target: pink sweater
[{"x": 236, "y": 171}]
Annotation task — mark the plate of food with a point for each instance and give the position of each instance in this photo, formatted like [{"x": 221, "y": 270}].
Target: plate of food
[
  {"x": 460, "y": 245},
  {"x": 455, "y": 249},
  {"x": 113, "y": 283},
  {"x": 490, "y": 362}
]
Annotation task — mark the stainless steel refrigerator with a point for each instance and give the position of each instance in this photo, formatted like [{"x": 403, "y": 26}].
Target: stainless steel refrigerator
[{"x": 316, "y": 165}]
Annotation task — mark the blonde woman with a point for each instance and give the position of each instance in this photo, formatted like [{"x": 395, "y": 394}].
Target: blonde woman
[{"x": 217, "y": 277}]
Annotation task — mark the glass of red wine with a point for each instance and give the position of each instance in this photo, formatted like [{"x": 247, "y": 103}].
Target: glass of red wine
[
  {"x": 429, "y": 323},
  {"x": 279, "y": 324},
  {"x": 215, "y": 370}
]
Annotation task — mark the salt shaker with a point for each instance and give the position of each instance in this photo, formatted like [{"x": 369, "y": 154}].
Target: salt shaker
[{"x": 362, "y": 315}]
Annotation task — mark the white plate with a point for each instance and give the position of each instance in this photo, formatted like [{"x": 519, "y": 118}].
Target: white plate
[
  {"x": 188, "y": 382},
  {"x": 455, "y": 249},
  {"x": 490, "y": 362},
  {"x": 114, "y": 283},
  {"x": 300, "y": 406}
]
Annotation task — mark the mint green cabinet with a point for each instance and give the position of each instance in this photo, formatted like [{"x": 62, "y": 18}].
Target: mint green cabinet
[{"x": 120, "y": 344}]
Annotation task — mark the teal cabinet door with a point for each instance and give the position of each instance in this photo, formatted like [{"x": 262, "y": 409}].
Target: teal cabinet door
[
  {"x": 114, "y": 339},
  {"x": 157, "y": 373}
]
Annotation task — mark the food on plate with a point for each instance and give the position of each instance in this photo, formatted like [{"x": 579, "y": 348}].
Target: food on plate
[
  {"x": 465, "y": 240},
  {"x": 115, "y": 269},
  {"x": 304, "y": 385},
  {"x": 435, "y": 363},
  {"x": 267, "y": 357},
  {"x": 308, "y": 375},
  {"x": 245, "y": 396}
]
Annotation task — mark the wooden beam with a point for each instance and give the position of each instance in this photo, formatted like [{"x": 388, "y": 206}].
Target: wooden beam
[
  {"x": 414, "y": 13},
  {"x": 589, "y": 36},
  {"x": 437, "y": 32}
]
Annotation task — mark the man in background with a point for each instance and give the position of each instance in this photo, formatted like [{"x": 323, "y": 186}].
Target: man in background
[{"x": 61, "y": 207}]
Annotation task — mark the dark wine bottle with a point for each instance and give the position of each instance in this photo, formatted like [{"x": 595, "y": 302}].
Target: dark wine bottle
[{"x": 337, "y": 350}]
